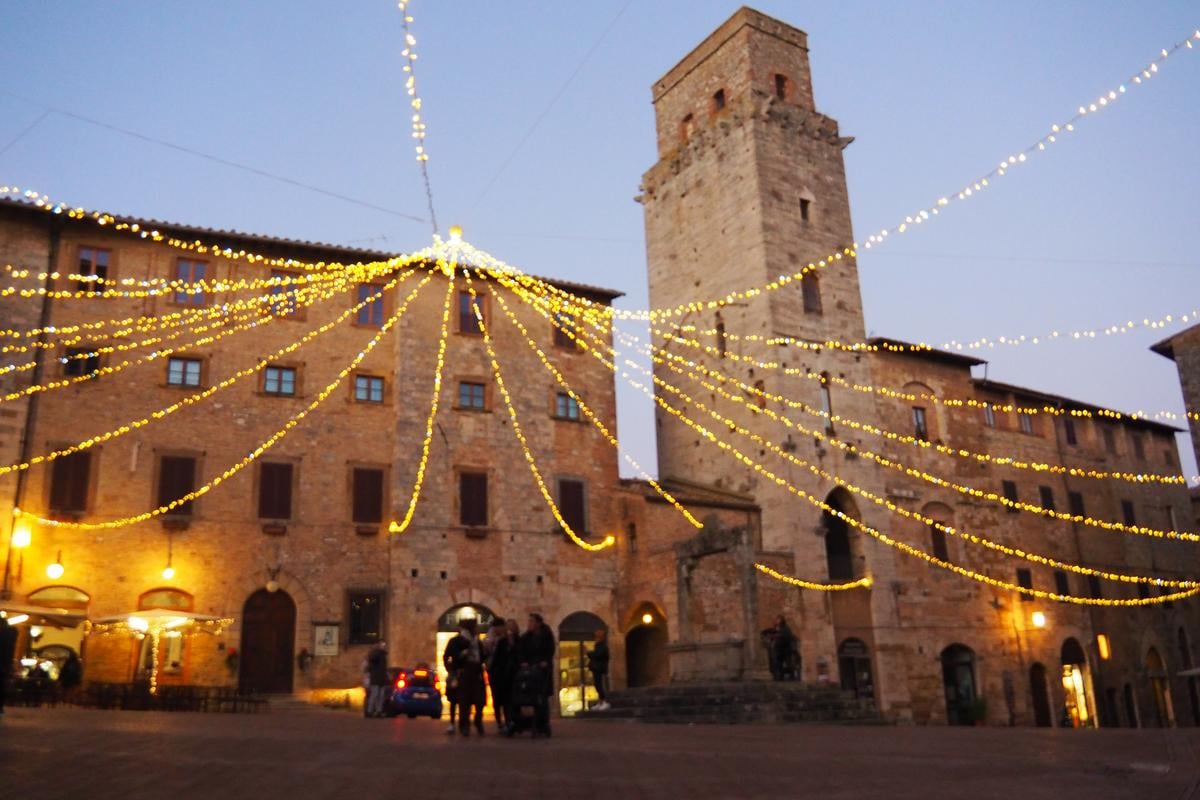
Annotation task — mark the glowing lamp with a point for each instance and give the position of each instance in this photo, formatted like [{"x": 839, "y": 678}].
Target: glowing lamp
[
  {"x": 272, "y": 586},
  {"x": 455, "y": 233},
  {"x": 1038, "y": 619},
  {"x": 22, "y": 534},
  {"x": 35, "y": 631},
  {"x": 138, "y": 624},
  {"x": 56, "y": 570},
  {"x": 168, "y": 573},
  {"x": 1102, "y": 645},
  {"x": 647, "y": 619},
  {"x": 17, "y": 619}
]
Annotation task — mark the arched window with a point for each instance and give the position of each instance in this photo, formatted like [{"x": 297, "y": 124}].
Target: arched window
[
  {"x": 826, "y": 403},
  {"x": 172, "y": 599},
  {"x": 64, "y": 597},
  {"x": 839, "y": 556},
  {"x": 810, "y": 291}
]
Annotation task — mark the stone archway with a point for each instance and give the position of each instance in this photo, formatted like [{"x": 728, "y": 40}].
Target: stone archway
[
  {"x": 266, "y": 662},
  {"x": 646, "y": 661}
]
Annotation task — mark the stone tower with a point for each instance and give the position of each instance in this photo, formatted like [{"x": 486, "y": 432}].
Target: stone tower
[{"x": 750, "y": 185}]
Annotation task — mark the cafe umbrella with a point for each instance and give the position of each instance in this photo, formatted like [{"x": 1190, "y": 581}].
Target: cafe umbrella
[{"x": 158, "y": 624}]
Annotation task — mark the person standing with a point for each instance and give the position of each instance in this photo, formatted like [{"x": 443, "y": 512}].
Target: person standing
[
  {"x": 537, "y": 650},
  {"x": 70, "y": 676},
  {"x": 377, "y": 663},
  {"x": 598, "y": 666},
  {"x": 784, "y": 646},
  {"x": 497, "y": 650},
  {"x": 8, "y": 649},
  {"x": 464, "y": 655}
]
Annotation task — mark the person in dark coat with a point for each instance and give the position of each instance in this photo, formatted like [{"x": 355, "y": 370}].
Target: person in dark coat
[
  {"x": 464, "y": 660},
  {"x": 598, "y": 666},
  {"x": 8, "y": 650},
  {"x": 377, "y": 668},
  {"x": 536, "y": 649},
  {"x": 501, "y": 669},
  {"x": 70, "y": 676},
  {"x": 784, "y": 646}
]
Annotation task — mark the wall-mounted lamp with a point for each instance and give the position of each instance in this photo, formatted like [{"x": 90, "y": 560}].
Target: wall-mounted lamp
[
  {"x": 56, "y": 570},
  {"x": 1038, "y": 619}
]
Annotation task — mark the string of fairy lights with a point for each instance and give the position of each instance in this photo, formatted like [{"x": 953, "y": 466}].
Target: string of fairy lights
[{"x": 308, "y": 284}]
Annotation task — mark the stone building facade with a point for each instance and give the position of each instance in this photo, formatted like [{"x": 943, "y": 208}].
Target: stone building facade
[{"x": 750, "y": 184}]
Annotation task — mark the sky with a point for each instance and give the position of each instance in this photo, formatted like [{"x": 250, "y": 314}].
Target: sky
[{"x": 540, "y": 126}]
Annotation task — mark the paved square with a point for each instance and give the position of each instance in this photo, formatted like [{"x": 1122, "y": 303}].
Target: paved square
[{"x": 74, "y": 753}]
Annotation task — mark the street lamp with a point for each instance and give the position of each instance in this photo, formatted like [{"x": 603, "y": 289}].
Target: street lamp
[
  {"x": 56, "y": 570},
  {"x": 1038, "y": 619}
]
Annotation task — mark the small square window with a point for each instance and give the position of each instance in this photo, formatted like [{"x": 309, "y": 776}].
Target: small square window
[
  {"x": 280, "y": 381},
  {"x": 190, "y": 271},
  {"x": 368, "y": 389},
  {"x": 183, "y": 372},
  {"x": 472, "y": 396},
  {"x": 79, "y": 362},
  {"x": 286, "y": 302},
  {"x": 365, "y": 617},
  {"x": 92, "y": 269},
  {"x": 566, "y": 407}
]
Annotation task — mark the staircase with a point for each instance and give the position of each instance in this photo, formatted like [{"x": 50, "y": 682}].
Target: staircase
[{"x": 738, "y": 703}]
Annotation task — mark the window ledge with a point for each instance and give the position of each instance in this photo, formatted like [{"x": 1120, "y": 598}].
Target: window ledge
[
  {"x": 274, "y": 528},
  {"x": 176, "y": 523},
  {"x": 366, "y": 530},
  {"x": 469, "y": 409},
  {"x": 476, "y": 531}
]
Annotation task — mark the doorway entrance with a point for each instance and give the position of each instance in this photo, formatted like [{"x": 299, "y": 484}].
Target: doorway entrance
[
  {"x": 646, "y": 649},
  {"x": 268, "y": 643},
  {"x": 448, "y": 624},
  {"x": 854, "y": 668},
  {"x": 1156, "y": 671},
  {"x": 577, "y": 638},
  {"x": 1041, "y": 696},
  {"x": 958, "y": 679},
  {"x": 1077, "y": 709}
]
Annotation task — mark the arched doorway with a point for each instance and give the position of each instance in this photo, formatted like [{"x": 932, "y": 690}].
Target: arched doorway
[
  {"x": 839, "y": 555},
  {"x": 268, "y": 642},
  {"x": 54, "y": 643},
  {"x": 854, "y": 668},
  {"x": 1156, "y": 671},
  {"x": 1041, "y": 696},
  {"x": 958, "y": 679},
  {"x": 577, "y": 638},
  {"x": 646, "y": 648},
  {"x": 1075, "y": 677}
]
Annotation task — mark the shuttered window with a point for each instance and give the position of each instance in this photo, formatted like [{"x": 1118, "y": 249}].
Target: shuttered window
[
  {"x": 937, "y": 538},
  {"x": 176, "y": 478},
  {"x": 69, "y": 478},
  {"x": 1025, "y": 581},
  {"x": 1046, "y": 494},
  {"x": 473, "y": 498},
  {"x": 1010, "y": 493},
  {"x": 368, "y": 495},
  {"x": 275, "y": 491},
  {"x": 572, "y": 504}
]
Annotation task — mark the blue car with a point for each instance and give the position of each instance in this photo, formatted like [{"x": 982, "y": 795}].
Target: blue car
[{"x": 415, "y": 693}]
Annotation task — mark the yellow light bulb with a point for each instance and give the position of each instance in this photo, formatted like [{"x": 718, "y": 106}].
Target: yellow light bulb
[
  {"x": 455, "y": 233},
  {"x": 22, "y": 535},
  {"x": 168, "y": 573},
  {"x": 1038, "y": 619},
  {"x": 55, "y": 571},
  {"x": 647, "y": 619}
]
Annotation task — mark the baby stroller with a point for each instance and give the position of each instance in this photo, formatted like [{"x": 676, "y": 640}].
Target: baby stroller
[{"x": 529, "y": 709}]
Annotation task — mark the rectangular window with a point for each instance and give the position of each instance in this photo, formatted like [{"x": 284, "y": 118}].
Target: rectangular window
[
  {"x": 371, "y": 314},
  {"x": 1026, "y": 421},
  {"x": 1143, "y": 591},
  {"x": 190, "y": 271},
  {"x": 1172, "y": 519},
  {"x": 937, "y": 537},
  {"x": 79, "y": 362},
  {"x": 1046, "y": 496},
  {"x": 781, "y": 86},
  {"x": 564, "y": 330},
  {"x": 472, "y": 395},
  {"x": 92, "y": 269},
  {"x": 1025, "y": 581},
  {"x": 1069, "y": 430},
  {"x": 826, "y": 403},
  {"x": 719, "y": 100},
  {"x": 183, "y": 371},
  {"x": 1139, "y": 446},
  {"x": 473, "y": 499},
  {"x": 467, "y": 321},
  {"x": 176, "y": 478},
  {"x": 989, "y": 415},
  {"x": 1061, "y": 584},
  {"x": 1094, "y": 588},
  {"x": 280, "y": 381},
  {"x": 566, "y": 407},
  {"x": 70, "y": 477},
  {"x": 1169, "y": 459},
  {"x": 1127, "y": 512},
  {"x": 1110, "y": 440},
  {"x": 367, "y": 486},
  {"x": 810, "y": 292},
  {"x": 1010, "y": 493},
  {"x": 920, "y": 426},
  {"x": 571, "y": 504},
  {"x": 365, "y": 617},
  {"x": 286, "y": 303},
  {"x": 275, "y": 490},
  {"x": 1075, "y": 503},
  {"x": 368, "y": 389},
  {"x": 805, "y": 209}
]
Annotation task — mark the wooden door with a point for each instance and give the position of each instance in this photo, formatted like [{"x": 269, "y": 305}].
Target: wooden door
[{"x": 268, "y": 641}]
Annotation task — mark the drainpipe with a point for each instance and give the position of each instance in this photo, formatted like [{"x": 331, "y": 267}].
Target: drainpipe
[{"x": 54, "y": 236}]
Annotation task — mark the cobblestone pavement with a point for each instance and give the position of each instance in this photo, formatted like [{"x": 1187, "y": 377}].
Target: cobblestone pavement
[{"x": 94, "y": 755}]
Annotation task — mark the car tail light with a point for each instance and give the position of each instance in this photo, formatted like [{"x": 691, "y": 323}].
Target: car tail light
[{"x": 401, "y": 682}]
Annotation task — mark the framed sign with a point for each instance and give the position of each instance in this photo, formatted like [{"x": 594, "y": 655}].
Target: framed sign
[{"x": 325, "y": 638}]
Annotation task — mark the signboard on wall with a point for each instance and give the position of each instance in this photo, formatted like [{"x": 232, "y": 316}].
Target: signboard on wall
[{"x": 325, "y": 638}]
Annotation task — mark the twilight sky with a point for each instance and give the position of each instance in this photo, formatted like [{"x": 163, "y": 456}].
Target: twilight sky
[{"x": 1099, "y": 231}]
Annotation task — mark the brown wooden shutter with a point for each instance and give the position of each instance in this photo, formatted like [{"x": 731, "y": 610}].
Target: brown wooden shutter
[
  {"x": 275, "y": 491},
  {"x": 571, "y": 504},
  {"x": 69, "y": 480},
  {"x": 472, "y": 497},
  {"x": 368, "y": 495},
  {"x": 176, "y": 477}
]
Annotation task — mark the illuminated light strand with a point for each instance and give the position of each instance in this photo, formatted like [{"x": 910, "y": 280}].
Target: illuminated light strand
[
  {"x": 253, "y": 456},
  {"x": 595, "y": 420},
  {"x": 608, "y": 540},
  {"x": 448, "y": 268},
  {"x": 880, "y": 501},
  {"x": 876, "y": 534},
  {"x": 821, "y": 473},
  {"x": 418, "y": 122},
  {"x": 861, "y": 583},
  {"x": 910, "y": 439},
  {"x": 162, "y": 413},
  {"x": 155, "y": 355},
  {"x": 927, "y": 214},
  {"x": 949, "y": 402}
]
